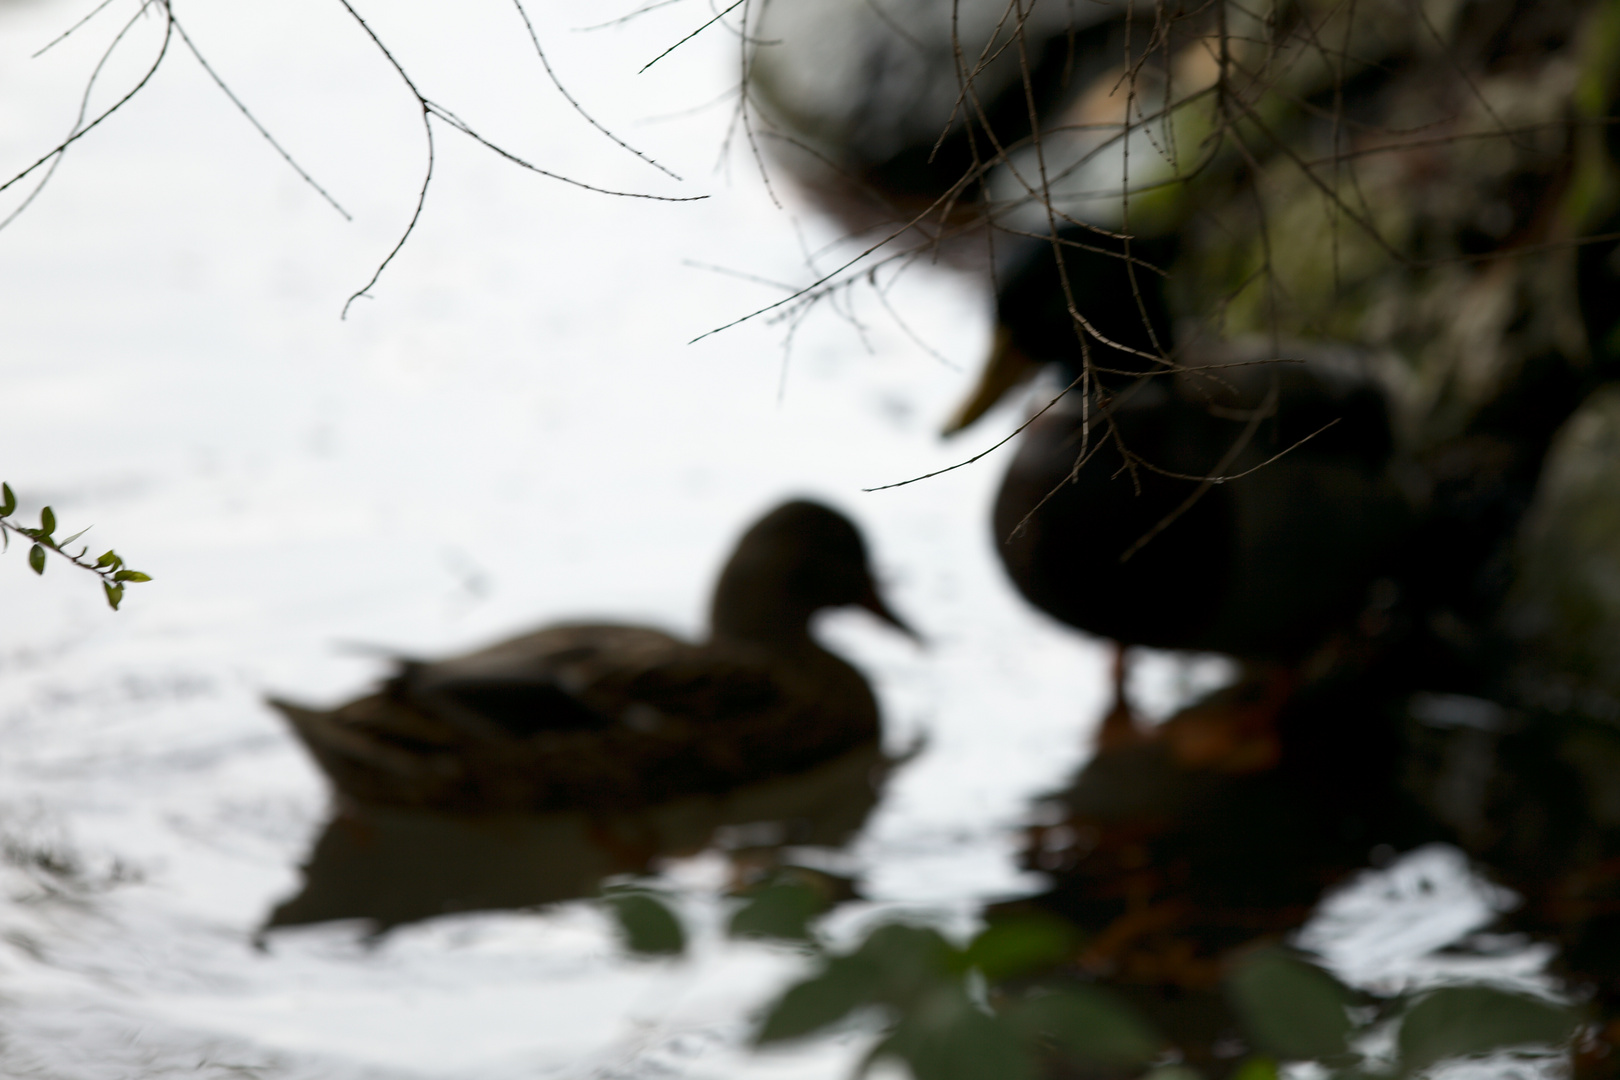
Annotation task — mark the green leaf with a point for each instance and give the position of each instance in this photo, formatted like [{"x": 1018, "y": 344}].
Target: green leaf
[
  {"x": 1018, "y": 945},
  {"x": 1088, "y": 1026},
  {"x": 36, "y": 558},
  {"x": 781, "y": 909},
  {"x": 47, "y": 521},
  {"x": 910, "y": 960},
  {"x": 1291, "y": 1009},
  {"x": 108, "y": 558},
  {"x": 647, "y": 924},
  {"x": 130, "y": 575},
  {"x": 845, "y": 984},
  {"x": 898, "y": 965},
  {"x": 944, "y": 1036},
  {"x": 115, "y": 593},
  {"x": 8, "y": 501},
  {"x": 75, "y": 536},
  {"x": 1256, "y": 1068},
  {"x": 1457, "y": 1021}
]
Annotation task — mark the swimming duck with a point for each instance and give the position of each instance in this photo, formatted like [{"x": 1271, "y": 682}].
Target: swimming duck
[{"x": 611, "y": 717}]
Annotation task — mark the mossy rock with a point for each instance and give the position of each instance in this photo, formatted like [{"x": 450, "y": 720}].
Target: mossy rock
[{"x": 1565, "y": 609}]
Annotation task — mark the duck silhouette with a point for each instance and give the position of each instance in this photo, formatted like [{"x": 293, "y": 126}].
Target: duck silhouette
[
  {"x": 610, "y": 717},
  {"x": 1231, "y": 497},
  {"x": 887, "y": 111}
]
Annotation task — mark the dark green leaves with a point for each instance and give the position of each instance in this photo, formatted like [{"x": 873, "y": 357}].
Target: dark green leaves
[
  {"x": 894, "y": 967},
  {"x": 1018, "y": 945},
  {"x": 1291, "y": 1009},
  {"x": 1456, "y": 1021},
  {"x": 115, "y": 594},
  {"x": 1295, "y": 1011},
  {"x": 941, "y": 1030},
  {"x": 1086, "y": 1025},
  {"x": 47, "y": 523},
  {"x": 646, "y": 924},
  {"x": 8, "y": 501},
  {"x": 915, "y": 976},
  {"x": 844, "y": 985},
  {"x": 944, "y": 1036},
  {"x": 780, "y": 909},
  {"x": 36, "y": 559}
]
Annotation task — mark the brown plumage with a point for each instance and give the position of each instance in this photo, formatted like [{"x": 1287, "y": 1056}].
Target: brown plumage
[{"x": 612, "y": 717}]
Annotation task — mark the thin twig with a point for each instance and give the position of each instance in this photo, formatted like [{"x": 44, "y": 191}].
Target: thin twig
[
  {"x": 285, "y": 156},
  {"x": 64, "y": 35},
  {"x": 563, "y": 90},
  {"x": 734, "y": 6}
]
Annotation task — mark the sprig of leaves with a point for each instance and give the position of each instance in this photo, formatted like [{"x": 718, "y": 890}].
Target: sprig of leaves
[{"x": 108, "y": 566}]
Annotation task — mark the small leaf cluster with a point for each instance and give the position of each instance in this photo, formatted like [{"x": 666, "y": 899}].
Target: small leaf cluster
[{"x": 109, "y": 566}]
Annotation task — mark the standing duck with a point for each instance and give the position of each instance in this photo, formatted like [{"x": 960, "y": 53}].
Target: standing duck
[
  {"x": 1233, "y": 498},
  {"x": 612, "y": 717},
  {"x": 1454, "y": 290}
]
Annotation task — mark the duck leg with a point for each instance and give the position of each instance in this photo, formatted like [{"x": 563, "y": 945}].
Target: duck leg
[{"x": 1119, "y": 725}]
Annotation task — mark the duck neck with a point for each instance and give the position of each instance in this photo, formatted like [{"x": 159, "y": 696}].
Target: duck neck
[{"x": 752, "y": 612}]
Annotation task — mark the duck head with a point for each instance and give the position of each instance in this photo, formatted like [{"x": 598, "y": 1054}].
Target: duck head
[
  {"x": 796, "y": 560},
  {"x": 1117, "y": 290}
]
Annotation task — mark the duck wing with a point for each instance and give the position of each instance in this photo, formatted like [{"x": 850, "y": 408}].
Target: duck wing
[
  {"x": 602, "y": 717},
  {"x": 550, "y": 680}
]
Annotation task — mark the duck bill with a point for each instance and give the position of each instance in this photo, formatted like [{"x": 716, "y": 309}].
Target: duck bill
[
  {"x": 874, "y": 603},
  {"x": 1008, "y": 367}
]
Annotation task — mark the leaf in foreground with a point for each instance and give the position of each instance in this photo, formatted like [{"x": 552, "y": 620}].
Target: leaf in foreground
[
  {"x": 1291, "y": 1009},
  {"x": 1086, "y": 1025},
  {"x": 946, "y": 1037},
  {"x": 844, "y": 985},
  {"x": 1020, "y": 944},
  {"x": 646, "y": 924},
  {"x": 1457, "y": 1021},
  {"x": 782, "y": 909}
]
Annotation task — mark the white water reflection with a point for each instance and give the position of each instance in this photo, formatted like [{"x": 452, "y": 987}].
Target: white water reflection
[{"x": 1418, "y": 922}]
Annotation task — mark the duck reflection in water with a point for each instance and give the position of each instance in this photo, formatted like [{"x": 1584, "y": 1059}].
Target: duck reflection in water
[
  {"x": 538, "y": 766},
  {"x": 393, "y": 865}
]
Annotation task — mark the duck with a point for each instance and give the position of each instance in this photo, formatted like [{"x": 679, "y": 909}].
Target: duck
[
  {"x": 1233, "y": 497},
  {"x": 892, "y": 113},
  {"x": 608, "y": 717}
]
